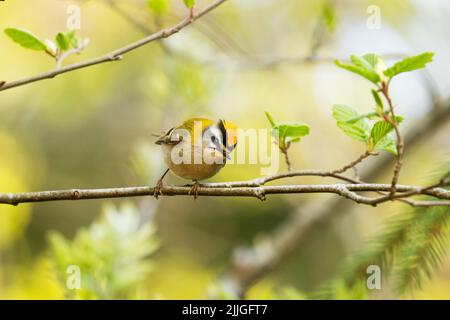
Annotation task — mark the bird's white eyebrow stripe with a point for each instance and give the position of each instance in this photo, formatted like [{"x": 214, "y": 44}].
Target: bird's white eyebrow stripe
[
  {"x": 215, "y": 131},
  {"x": 170, "y": 131}
]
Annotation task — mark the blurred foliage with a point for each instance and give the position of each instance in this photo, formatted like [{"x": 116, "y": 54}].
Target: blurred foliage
[
  {"x": 409, "y": 249},
  {"x": 33, "y": 281},
  {"x": 159, "y": 6},
  {"x": 112, "y": 254},
  {"x": 92, "y": 128},
  {"x": 14, "y": 170}
]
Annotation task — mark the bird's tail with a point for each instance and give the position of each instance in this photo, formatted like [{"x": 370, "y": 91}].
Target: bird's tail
[{"x": 163, "y": 138}]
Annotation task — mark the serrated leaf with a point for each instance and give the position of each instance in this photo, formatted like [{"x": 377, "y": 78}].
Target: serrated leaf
[
  {"x": 159, "y": 6},
  {"x": 271, "y": 121},
  {"x": 370, "y": 115},
  {"x": 358, "y": 130},
  {"x": 189, "y": 3},
  {"x": 409, "y": 64},
  {"x": 344, "y": 113},
  {"x": 367, "y": 61},
  {"x": 387, "y": 144},
  {"x": 25, "y": 38},
  {"x": 353, "y": 131},
  {"x": 365, "y": 73},
  {"x": 287, "y": 133},
  {"x": 380, "y": 130},
  {"x": 372, "y": 59},
  {"x": 62, "y": 42}
]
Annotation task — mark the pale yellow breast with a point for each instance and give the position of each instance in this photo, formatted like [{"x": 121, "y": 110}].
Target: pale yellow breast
[{"x": 198, "y": 165}]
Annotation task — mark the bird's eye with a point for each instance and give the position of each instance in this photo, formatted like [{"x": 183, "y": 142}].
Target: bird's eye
[{"x": 213, "y": 138}]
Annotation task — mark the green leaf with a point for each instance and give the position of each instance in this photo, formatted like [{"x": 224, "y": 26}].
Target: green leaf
[
  {"x": 288, "y": 133},
  {"x": 62, "y": 42},
  {"x": 387, "y": 144},
  {"x": 189, "y": 3},
  {"x": 70, "y": 36},
  {"x": 372, "y": 59},
  {"x": 113, "y": 253},
  {"x": 379, "y": 104},
  {"x": 368, "y": 61},
  {"x": 365, "y": 66},
  {"x": 371, "y": 76},
  {"x": 79, "y": 42},
  {"x": 369, "y": 115},
  {"x": 159, "y": 6},
  {"x": 380, "y": 130},
  {"x": 410, "y": 64},
  {"x": 269, "y": 117},
  {"x": 329, "y": 16},
  {"x": 354, "y": 131},
  {"x": 344, "y": 113},
  {"x": 25, "y": 39},
  {"x": 359, "y": 130}
]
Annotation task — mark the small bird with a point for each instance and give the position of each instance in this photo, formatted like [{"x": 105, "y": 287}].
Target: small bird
[{"x": 196, "y": 150}]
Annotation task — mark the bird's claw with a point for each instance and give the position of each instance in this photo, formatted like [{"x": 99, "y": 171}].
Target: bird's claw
[
  {"x": 194, "y": 189},
  {"x": 157, "y": 191},
  {"x": 191, "y": 14}
]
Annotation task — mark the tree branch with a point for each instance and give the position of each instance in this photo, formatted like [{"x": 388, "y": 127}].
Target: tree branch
[
  {"x": 116, "y": 54},
  {"x": 348, "y": 191}
]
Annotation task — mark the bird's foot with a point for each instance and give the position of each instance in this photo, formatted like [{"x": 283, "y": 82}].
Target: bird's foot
[
  {"x": 191, "y": 14},
  {"x": 157, "y": 191},
  {"x": 194, "y": 189}
]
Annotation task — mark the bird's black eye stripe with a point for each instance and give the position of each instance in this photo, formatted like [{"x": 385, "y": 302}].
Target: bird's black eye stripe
[{"x": 223, "y": 131}]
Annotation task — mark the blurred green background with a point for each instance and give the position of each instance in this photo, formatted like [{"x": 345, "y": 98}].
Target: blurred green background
[{"x": 92, "y": 128}]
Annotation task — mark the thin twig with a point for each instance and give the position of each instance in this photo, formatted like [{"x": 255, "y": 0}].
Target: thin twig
[
  {"x": 65, "y": 55},
  {"x": 116, "y": 54},
  {"x": 287, "y": 160},
  {"x": 354, "y": 163},
  {"x": 278, "y": 176},
  {"x": 400, "y": 144}
]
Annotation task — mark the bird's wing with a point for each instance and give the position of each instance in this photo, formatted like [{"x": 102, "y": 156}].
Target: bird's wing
[{"x": 166, "y": 138}]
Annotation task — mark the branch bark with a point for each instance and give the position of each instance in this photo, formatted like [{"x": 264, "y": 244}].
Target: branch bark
[
  {"x": 116, "y": 54},
  {"x": 348, "y": 191}
]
